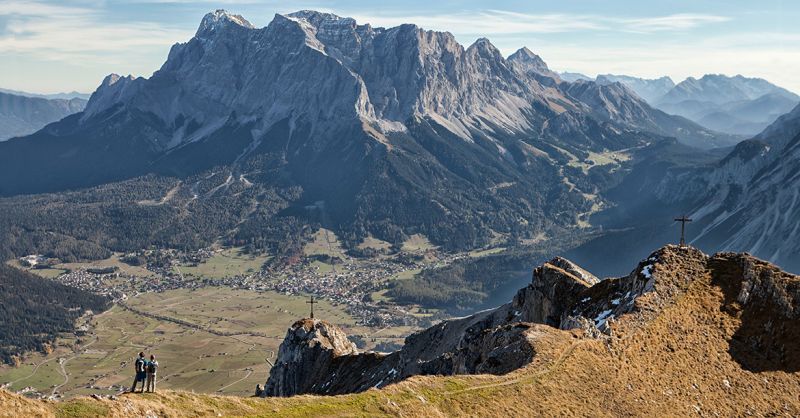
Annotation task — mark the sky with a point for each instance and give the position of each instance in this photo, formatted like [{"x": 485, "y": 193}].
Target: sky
[{"x": 66, "y": 45}]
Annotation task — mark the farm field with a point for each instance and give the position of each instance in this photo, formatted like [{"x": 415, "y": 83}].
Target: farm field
[
  {"x": 192, "y": 359},
  {"x": 113, "y": 261},
  {"x": 225, "y": 263},
  {"x": 417, "y": 242},
  {"x": 324, "y": 242}
]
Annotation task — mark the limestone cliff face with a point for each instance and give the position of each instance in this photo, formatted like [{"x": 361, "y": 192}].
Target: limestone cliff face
[
  {"x": 311, "y": 347},
  {"x": 554, "y": 287},
  {"x": 767, "y": 302},
  {"x": 331, "y": 74},
  {"x": 562, "y": 298}
]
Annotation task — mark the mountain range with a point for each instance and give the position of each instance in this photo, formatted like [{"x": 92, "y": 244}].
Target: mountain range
[
  {"x": 649, "y": 89},
  {"x": 24, "y": 115},
  {"x": 386, "y": 131},
  {"x": 735, "y": 105},
  {"x": 67, "y": 96}
]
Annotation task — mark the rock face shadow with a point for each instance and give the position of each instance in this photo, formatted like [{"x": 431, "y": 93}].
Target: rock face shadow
[{"x": 765, "y": 300}]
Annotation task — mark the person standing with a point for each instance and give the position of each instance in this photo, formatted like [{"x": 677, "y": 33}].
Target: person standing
[
  {"x": 141, "y": 373},
  {"x": 152, "y": 368}
]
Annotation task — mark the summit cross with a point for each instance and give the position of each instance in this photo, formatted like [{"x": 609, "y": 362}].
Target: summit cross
[
  {"x": 312, "y": 302},
  {"x": 683, "y": 219}
]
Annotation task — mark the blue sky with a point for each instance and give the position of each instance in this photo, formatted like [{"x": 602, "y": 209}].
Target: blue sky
[{"x": 50, "y": 46}]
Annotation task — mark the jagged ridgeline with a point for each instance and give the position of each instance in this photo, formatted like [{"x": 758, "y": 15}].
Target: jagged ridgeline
[
  {"x": 683, "y": 331},
  {"x": 381, "y": 131}
]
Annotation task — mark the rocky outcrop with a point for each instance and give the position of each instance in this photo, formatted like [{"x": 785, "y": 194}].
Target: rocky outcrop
[
  {"x": 767, "y": 302},
  {"x": 553, "y": 290},
  {"x": 316, "y": 357}
]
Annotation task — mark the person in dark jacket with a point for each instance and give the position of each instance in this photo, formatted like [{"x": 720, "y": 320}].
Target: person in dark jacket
[{"x": 141, "y": 372}]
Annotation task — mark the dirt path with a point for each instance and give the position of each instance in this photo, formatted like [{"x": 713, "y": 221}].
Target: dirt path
[
  {"x": 166, "y": 198},
  {"x": 526, "y": 377},
  {"x": 62, "y": 365},
  {"x": 379, "y": 331},
  {"x": 249, "y": 372},
  {"x": 36, "y": 369}
]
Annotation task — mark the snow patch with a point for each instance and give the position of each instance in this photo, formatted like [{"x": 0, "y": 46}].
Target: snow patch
[
  {"x": 647, "y": 271},
  {"x": 602, "y": 318}
]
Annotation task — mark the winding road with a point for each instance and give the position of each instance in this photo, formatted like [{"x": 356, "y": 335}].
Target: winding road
[{"x": 63, "y": 371}]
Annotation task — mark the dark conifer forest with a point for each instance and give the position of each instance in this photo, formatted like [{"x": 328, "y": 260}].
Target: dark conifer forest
[{"x": 35, "y": 310}]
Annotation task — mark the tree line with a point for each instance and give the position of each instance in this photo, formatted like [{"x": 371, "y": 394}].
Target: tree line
[{"x": 35, "y": 310}]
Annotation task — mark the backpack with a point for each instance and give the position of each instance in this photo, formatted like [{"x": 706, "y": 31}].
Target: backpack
[
  {"x": 152, "y": 366},
  {"x": 139, "y": 364}
]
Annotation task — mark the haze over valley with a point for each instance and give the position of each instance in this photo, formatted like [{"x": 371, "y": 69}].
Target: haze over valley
[{"x": 414, "y": 210}]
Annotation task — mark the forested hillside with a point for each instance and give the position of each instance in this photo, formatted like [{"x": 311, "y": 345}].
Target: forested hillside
[
  {"x": 152, "y": 210},
  {"x": 35, "y": 310}
]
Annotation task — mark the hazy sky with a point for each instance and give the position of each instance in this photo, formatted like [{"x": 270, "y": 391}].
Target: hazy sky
[{"x": 50, "y": 46}]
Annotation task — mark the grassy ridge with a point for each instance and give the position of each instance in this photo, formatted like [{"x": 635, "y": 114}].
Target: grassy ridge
[{"x": 673, "y": 359}]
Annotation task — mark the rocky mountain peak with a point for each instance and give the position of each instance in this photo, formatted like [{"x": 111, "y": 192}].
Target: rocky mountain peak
[
  {"x": 313, "y": 332},
  {"x": 319, "y": 19},
  {"x": 310, "y": 346},
  {"x": 526, "y": 57},
  {"x": 524, "y": 52},
  {"x": 112, "y": 90},
  {"x": 527, "y": 63},
  {"x": 110, "y": 79},
  {"x": 485, "y": 47},
  {"x": 220, "y": 20}
]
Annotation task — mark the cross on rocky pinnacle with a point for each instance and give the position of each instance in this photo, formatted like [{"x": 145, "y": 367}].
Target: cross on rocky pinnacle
[
  {"x": 683, "y": 219},
  {"x": 312, "y": 302}
]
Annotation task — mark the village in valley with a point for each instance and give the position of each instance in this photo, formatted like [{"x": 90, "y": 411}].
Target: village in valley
[{"x": 221, "y": 297}]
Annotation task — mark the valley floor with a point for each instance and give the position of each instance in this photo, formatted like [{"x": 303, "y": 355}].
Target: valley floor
[
  {"x": 218, "y": 343},
  {"x": 215, "y": 325}
]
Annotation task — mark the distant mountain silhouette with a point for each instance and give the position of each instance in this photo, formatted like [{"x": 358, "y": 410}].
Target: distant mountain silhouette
[{"x": 21, "y": 115}]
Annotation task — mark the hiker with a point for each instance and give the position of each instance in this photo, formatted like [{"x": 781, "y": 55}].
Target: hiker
[
  {"x": 152, "y": 367},
  {"x": 141, "y": 374}
]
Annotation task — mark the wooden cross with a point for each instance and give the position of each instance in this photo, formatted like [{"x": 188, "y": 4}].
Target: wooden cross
[
  {"x": 312, "y": 302},
  {"x": 683, "y": 219}
]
